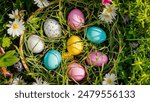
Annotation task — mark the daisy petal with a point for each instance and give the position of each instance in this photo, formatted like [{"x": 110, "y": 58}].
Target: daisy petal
[
  {"x": 41, "y": 3},
  {"x": 14, "y": 15}
]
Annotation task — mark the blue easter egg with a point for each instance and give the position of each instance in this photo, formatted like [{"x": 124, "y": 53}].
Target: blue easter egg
[
  {"x": 96, "y": 35},
  {"x": 52, "y": 59}
]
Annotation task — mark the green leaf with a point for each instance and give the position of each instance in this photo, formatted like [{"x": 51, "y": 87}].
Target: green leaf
[
  {"x": 10, "y": 53},
  {"x": 8, "y": 59},
  {"x": 36, "y": 26},
  {"x": 6, "y": 42}
]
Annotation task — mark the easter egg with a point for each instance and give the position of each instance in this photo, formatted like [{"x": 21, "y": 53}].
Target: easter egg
[
  {"x": 74, "y": 45},
  {"x": 76, "y": 19},
  {"x": 76, "y": 71},
  {"x": 96, "y": 58},
  {"x": 35, "y": 44},
  {"x": 52, "y": 28},
  {"x": 52, "y": 59},
  {"x": 96, "y": 35}
]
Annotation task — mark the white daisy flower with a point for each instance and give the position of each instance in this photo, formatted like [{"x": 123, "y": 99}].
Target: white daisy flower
[
  {"x": 104, "y": 16},
  {"x": 15, "y": 28},
  {"x": 111, "y": 10},
  {"x": 39, "y": 81},
  {"x": 18, "y": 81},
  {"x": 109, "y": 79},
  {"x": 41, "y": 3},
  {"x": 14, "y": 15}
]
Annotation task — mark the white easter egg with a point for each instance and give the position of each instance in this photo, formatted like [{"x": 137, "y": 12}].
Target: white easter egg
[
  {"x": 52, "y": 28},
  {"x": 35, "y": 44}
]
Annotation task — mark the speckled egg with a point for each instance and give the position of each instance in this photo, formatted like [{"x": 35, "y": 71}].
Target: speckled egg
[
  {"x": 96, "y": 35},
  {"x": 52, "y": 59},
  {"x": 52, "y": 28},
  {"x": 96, "y": 58},
  {"x": 74, "y": 45},
  {"x": 76, "y": 19},
  {"x": 35, "y": 44},
  {"x": 76, "y": 71}
]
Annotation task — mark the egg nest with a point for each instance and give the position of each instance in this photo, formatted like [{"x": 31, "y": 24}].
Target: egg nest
[{"x": 59, "y": 11}]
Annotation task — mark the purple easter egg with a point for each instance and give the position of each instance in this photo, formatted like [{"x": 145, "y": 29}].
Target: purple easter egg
[
  {"x": 76, "y": 19},
  {"x": 97, "y": 59}
]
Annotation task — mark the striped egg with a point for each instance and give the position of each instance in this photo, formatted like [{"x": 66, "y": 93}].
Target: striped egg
[
  {"x": 76, "y": 71},
  {"x": 52, "y": 59},
  {"x": 97, "y": 58},
  {"x": 35, "y": 44},
  {"x": 96, "y": 35},
  {"x": 76, "y": 19},
  {"x": 75, "y": 45},
  {"x": 52, "y": 28}
]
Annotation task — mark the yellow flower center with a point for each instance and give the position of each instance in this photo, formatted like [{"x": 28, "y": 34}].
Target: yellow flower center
[
  {"x": 109, "y": 81},
  {"x": 15, "y": 26},
  {"x": 109, "y": 10},
  {"x": 20, "y": 82}
]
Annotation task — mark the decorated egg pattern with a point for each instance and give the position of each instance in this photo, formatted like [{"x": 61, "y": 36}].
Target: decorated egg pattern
[
  {"x": 52, "y": 28},
  {"x": 74, "y": 45},
  {"x": 35, "y": 44},
  {"x": 96, "y": 58},
  {"x": 96, "y": 35},
  {"x": 76, "y": 19},
  {"x": 76, "y": 71},
  {"x": 52, "y": 59}
]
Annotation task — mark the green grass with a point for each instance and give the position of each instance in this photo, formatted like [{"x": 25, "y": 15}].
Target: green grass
[{"x": 131, "y": 65}]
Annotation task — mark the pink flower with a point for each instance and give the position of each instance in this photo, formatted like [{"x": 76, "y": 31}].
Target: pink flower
[{"x": 105, "y": 2}]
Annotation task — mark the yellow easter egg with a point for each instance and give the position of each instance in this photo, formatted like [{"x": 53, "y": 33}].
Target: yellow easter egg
[{"x": 74, "y": 45}]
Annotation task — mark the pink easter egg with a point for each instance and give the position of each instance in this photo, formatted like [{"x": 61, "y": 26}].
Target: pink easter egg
[
  {"x": 76, "y": 71},
  {"x": 76, "y": 19},
  {"x": 97, "y": 58}
]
